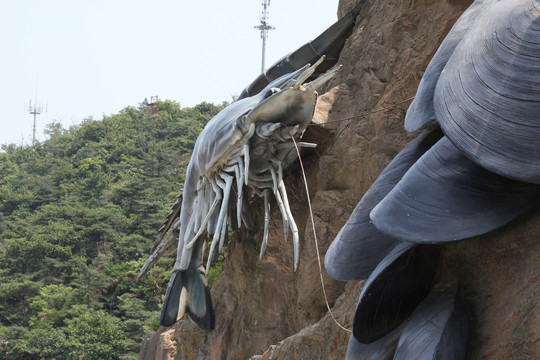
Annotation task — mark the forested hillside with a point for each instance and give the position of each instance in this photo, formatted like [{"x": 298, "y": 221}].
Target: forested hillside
[{"x": 78, "y": 215}]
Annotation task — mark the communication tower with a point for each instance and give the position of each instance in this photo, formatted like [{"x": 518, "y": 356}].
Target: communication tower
[
  {"x": 264, "y": 27},
  {"x": 34, "y": 110}
]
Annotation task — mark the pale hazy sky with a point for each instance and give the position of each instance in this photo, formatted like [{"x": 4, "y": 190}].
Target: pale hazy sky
[{"x": 90, "y": 58}]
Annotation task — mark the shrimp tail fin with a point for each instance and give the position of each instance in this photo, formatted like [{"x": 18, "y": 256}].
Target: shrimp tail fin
[
  {"x": 205, "y": 320},
  {"x": 188, "y": 292},
  {"x": 172, "y": 304}
]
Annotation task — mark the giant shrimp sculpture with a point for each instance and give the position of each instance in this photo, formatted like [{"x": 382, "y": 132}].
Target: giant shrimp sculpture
[
  {"x": 482, "y": 171},
  {"x": 244, "y": 148},
  {"x": 247, "y": 144}
]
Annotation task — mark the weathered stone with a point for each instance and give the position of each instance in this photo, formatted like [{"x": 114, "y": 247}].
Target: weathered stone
[
  {"x": 148, "y": 346},
  {"x": 159, "y": 345},
  {"x": 264, "y": 310}
]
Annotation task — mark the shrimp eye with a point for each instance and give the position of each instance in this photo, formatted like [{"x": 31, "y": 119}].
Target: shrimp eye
[{"x": 270, "y": 92}]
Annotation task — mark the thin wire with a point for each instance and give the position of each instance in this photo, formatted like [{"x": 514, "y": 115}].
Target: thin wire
[
  {"x": 309, "y": 201},
  {"x": 315, "y": 237}
]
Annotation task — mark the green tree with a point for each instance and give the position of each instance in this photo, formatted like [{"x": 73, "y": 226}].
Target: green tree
[
  {"x": 46, "y": 343},
  {"x": 79, "y": 213},
  {"x": 96, "y": 336}
]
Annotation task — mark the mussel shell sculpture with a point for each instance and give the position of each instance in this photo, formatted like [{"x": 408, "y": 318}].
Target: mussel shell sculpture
[
  {"x": 437, "y": 329},
  {"x": 421, "y": 111},
  {"x": 382, "y": 349},
  {"x": 483, "y": 89},
  {"x": 487, "y": 99},
  {"x": 359, "y": 247},
  {"x": 394, "y": 289},
  {"x": 486, "y": 95},
  {"x": 447, "y": 197}
]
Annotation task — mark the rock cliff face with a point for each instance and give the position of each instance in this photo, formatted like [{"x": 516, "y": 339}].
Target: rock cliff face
[{"x": 264, "y": 310}]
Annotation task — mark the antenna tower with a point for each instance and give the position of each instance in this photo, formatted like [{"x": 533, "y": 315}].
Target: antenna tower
[
  {"x": 264, "y": 27},
  {"x": 34, "y": 110}
]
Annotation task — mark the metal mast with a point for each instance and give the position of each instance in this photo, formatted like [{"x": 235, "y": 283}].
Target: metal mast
[
  {"x": 264, "y": 27},
  {"x": 34, "y": 110}
]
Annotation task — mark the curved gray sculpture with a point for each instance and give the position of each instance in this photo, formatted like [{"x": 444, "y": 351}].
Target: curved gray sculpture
[
  {"x": 359, "y": 247},
  {"x": 394, "y": 289},
  {"x": 487, "y": 99},
  {"x": 437, "y": 329},
  {"x": 447, "y": 197},
  {"x": 483, "y": 88},
  {"x": 244, "y": 148},
  {"x": 421, "y": 111},
  {"x": 242, "y": 145}
]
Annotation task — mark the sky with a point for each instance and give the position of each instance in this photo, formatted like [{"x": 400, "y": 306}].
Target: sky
[{"x": 84, "y": 59}]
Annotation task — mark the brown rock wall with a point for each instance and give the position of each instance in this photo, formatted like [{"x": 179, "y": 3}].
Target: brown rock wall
[{"x": 266, "y": 311}]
